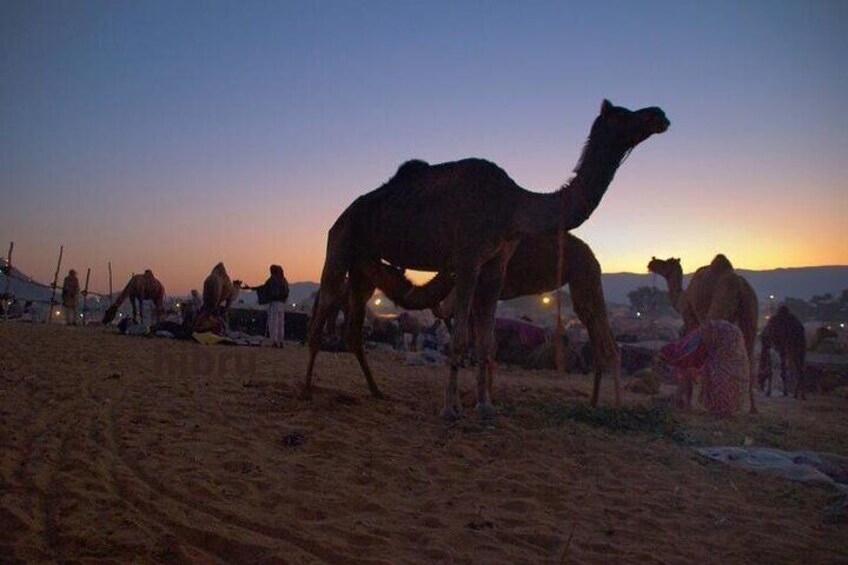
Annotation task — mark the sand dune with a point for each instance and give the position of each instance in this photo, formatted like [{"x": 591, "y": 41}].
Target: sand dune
[{"x": 115, "y": 448}]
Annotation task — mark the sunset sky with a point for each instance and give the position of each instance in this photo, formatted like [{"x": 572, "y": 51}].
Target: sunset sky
[{"x": 173, "y": 135}]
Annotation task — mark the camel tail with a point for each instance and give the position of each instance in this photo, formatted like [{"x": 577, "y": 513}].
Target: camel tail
[{"x": 113, "y": 309}]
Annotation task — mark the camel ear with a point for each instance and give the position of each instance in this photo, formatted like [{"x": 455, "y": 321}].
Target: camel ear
[
  {"x": 606, "y": 106},
  {"x": 653, "y": 257}
]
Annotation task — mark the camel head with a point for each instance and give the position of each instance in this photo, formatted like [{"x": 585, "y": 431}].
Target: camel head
[
  {"x": 624, "y": 129},
  {"x": 665, "y": 267}
]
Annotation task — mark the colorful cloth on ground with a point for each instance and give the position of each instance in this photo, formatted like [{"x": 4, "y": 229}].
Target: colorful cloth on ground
[
  {"x": 529, "y": 335},
  {"x": 714, "y": 355}
]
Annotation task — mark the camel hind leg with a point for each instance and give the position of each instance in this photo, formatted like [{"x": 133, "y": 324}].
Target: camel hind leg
[
  {"x": 331, "y": 292},
  {"x": 587, "y": 295},
  {"x": 797, "y": 362}
]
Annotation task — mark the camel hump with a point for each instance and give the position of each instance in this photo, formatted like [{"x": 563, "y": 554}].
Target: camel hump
[
  {"x": 411, "y": 167},
  {"x": 721, "y": 262}
]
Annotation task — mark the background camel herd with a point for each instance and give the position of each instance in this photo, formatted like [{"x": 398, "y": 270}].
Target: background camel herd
[{"x": 488, "y": 239}]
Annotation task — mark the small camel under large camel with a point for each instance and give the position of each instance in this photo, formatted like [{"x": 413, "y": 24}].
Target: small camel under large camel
[
  {"x": 716, "y": 292},
  {"x": 466, "y": 217},
  {"x": 138, "y": 289},
  {"x": 533, "y": 270}
]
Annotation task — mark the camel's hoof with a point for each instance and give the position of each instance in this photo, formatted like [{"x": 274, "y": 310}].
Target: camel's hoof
[
  {"x": 486, "y": 410},
  {"x": 379, "y": 395},
  {"x": 305, "y": 393},
  {"x": 451, "y": 414}
]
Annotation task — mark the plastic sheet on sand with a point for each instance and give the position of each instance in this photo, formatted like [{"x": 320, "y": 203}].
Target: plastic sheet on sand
[{"x": 802, "y": 466}]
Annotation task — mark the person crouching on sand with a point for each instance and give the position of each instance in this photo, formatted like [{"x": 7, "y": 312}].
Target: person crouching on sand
[
  {"x": 70, "y": 296},
  {"x": 714, "y": 354},
  {"x": 274, "y": 293}
]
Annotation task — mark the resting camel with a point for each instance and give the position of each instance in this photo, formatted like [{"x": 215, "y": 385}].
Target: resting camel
[
  {"x": 466, "y": 217},
  {"x": 785, "y": 333},
  {"x": 139, "y": 288},
  {"x": 821, "y": 334},
  {"x": 218, "y": 289},
  {"x": 715, "y": 292}
]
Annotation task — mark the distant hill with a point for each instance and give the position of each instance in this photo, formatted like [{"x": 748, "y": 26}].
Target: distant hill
[{"x": 801, "y": 282}]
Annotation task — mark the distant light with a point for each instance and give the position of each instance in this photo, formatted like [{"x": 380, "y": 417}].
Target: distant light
[
  {"x": 294, "y": 305},
  {"x": 771, "y": 297},
  {"x": 58, "y": 312},
  {"x": 546, "y": 300},
  {"x": 378, "y": 301},
  {"x": 178, "y": 304},
  {"x": 638, "y": 314},
  {"x": 842, "y": 324}
]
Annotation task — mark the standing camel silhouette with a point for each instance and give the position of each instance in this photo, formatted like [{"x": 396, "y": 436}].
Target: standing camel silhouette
[
  {"x": 466, "y": 217},
  {"x": 138, "y": 289},
  {"x": 785, "y": 333}
]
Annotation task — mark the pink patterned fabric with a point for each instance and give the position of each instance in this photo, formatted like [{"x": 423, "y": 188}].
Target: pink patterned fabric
[{"x": 714, "y": 355}]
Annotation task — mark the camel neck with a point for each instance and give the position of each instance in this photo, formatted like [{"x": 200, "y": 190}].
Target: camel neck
[
  {"x": 572, "y": 205},
  {"x": 675, "y": 287}
]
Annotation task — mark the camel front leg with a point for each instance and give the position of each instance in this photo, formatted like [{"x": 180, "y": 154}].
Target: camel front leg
[
  {"x": 486, "y": 296},
  {"x": 135, "y": 309},
  {"x": 466, "y": 281}
]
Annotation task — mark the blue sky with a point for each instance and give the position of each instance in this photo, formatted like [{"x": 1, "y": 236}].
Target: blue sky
[{"x": 172, "y": 135}]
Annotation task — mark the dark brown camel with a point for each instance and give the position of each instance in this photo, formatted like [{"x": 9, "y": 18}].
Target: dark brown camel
[
  {"x": 715, "y": 292},
  {"x": 533, "y": 270},
  {"x": 785, "y": 333},
  {"x": 139, "y": 288},
  {"x": 466, "y": 217}
]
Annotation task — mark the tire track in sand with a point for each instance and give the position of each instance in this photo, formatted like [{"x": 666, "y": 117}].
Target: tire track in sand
[{"x": 153, "y": 498}]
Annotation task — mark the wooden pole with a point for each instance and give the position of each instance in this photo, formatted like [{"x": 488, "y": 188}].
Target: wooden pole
[
  {"x": 85, "y": 295},
  {"x": 559, "y": 346},
  {"x": 8, "y": 275},
  {"x": 8, "y": 272},
  {"x": 55, "y": 284}
]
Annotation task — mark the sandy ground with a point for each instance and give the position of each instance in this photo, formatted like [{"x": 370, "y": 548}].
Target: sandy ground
[{"x": 126, "y": 449}]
